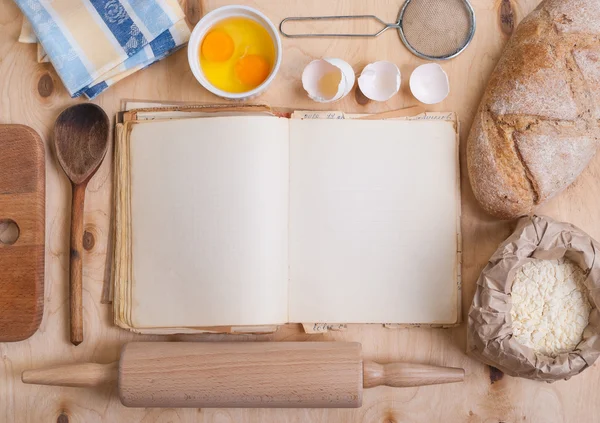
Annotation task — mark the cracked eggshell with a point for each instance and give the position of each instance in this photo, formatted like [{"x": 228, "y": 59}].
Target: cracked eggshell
[
  {"x": 429, "y": 83},
  {"x": 380, "y": 81},
  {"x": 328, "y": 80}
]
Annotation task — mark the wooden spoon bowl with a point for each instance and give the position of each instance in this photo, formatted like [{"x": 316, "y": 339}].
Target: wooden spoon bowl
[{"x": 81, "y": 138}]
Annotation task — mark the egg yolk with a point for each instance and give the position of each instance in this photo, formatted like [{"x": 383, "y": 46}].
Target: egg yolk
[
  {"x": 217, "y": 46},
  {"x": 252, "y": 70}
]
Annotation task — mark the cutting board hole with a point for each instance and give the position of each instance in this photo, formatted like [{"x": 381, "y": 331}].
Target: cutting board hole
[{"x": 9, "y": 231}]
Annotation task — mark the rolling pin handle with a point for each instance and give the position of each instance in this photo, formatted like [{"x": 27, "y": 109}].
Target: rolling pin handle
[
  {"x": 401, "y": 375},
  {"x": 76, "y": 375}
]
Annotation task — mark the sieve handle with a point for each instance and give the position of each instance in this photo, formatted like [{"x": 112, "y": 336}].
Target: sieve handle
[{"x": 386, "y": 26}]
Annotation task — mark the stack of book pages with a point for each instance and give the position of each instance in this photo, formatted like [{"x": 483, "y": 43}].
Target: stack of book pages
[{"x": 239, "y": 219}]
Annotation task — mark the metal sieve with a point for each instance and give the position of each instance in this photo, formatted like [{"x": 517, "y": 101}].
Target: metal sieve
[{"x": 430, "y": 29}]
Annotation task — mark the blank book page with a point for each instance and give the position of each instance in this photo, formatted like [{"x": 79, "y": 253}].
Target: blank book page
[
  {"x": 209, "y": 211},
  {"x": 373, "y": 221}
]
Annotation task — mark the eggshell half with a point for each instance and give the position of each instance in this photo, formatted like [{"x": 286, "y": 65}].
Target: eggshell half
[
  {"x": 337, "y": 70},
  {"x": 380, "y": 81},
  {"x": 429, "y": 83}
]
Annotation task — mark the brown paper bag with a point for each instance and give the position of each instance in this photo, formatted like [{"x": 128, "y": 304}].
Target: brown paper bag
[{"x": 490, "y": 325}]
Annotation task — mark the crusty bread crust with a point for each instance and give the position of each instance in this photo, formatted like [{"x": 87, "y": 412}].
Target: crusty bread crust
[{"x": 537, "y": 126}]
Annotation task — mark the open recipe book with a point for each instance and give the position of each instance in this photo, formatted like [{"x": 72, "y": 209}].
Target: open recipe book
[{"x": 254, "y": 219}]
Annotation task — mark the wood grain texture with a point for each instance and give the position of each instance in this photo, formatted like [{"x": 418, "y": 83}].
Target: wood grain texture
[
  {"x": 248, "y": 374},
  {"x": 192, "y": 10},
  {"x": 81, "y": 135},
  {"x": 84, "y": 375},
  {"x": 22, "y": 222},
  {"x": 76, "y": 264},
  {"x": 81, "y": 139},
  {"x": 243, "y": 374},
  {"x": 402, "y": 375},
  {"x": 477, "y": 400},
  {"x": 507, "y": 17}
]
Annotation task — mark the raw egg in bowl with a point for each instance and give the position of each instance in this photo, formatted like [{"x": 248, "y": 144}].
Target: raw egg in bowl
[{"x": 235, "y": 52}]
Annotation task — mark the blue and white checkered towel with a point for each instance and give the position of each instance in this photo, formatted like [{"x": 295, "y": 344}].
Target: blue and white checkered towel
[{"x": 92, "y": 44}]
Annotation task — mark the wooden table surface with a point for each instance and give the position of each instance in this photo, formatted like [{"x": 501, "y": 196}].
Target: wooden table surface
[{"x": 32, "y": 94}]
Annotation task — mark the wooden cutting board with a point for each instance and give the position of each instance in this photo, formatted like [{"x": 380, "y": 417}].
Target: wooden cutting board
[{"x": 22, "y": 226}]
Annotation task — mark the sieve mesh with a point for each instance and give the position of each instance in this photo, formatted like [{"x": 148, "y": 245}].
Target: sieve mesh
[{"x": 437, "y": 28}]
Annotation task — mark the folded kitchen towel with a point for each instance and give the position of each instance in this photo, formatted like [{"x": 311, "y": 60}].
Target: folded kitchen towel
[{"x": 93, "y": 44}]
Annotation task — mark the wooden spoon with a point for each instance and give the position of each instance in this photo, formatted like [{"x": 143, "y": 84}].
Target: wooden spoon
[{"x": 81, "y": 140}]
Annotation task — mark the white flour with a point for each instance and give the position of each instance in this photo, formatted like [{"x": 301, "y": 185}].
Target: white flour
[{"x": 550, "y": 307}]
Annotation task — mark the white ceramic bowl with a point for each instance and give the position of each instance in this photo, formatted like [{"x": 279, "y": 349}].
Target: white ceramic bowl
[{"x": 206, "y": 23}]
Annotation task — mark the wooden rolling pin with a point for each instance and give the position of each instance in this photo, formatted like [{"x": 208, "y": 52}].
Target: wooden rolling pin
[{"x": 243, "y": 374}]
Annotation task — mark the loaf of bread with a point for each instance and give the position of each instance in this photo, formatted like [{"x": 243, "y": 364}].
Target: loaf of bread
[{"x": 537, "y": 126}]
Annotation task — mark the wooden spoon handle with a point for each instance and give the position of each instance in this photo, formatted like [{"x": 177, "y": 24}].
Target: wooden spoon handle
[
  {"x": 76, "y": 265},
  {"x": 406, "y": 374},
  {"x": 77, "y": 375}
]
